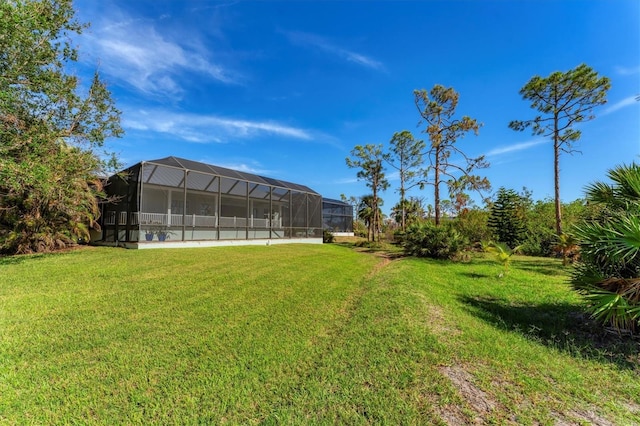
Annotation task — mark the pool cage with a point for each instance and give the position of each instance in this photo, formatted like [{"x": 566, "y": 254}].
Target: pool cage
[
  {"x": 173, "y": 199},
  {"x": 337, "y": 217}
]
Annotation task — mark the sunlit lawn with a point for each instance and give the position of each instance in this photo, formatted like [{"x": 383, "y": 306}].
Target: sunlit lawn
[{"x": 301, "y": 334}]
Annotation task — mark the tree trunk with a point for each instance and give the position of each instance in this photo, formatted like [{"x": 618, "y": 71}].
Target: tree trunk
[
  {"x": 436, "y": 195},
  {"x": 556, "y": 176},
  {"x": 402, "y": 203},
  {"x": 374, "y": 205}
]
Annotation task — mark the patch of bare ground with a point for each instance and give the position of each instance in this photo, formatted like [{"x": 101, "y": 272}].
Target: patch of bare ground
[
  {"x": 434, "y": 317},
  {"x": 480, "y": 402},
  {"x": 632, "y": 407},
  {"x": 484, "y": 406},
  {"x": 580, "y": 417},
  {"x": 384, "y": 261}
]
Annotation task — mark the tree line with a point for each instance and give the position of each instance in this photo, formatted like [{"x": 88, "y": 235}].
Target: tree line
[{"x": 562, "y": 101}]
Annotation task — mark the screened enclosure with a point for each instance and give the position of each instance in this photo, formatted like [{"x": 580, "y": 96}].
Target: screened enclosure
[
  {"x": 181, "y": 200},
  {"x": 337, "y": 216}
]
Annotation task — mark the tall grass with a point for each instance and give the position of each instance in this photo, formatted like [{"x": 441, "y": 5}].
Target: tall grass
[{"x": 299, "y": 335}]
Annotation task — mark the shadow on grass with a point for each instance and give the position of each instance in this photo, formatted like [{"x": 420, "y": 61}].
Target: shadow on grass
[
  {"x": 561, "y": 326},
  {"x": 19, "y": 259},
  {"x": 546, "y": 267},
  {"x": 475, "y": 275}
]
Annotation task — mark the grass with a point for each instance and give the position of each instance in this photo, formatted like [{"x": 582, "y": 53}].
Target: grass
[{"x": 293, "y": 334}]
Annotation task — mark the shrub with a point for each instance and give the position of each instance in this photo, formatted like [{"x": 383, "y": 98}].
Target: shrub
[
  {"x": 436, "y": 242},
  {"x": 360, "y": 229},
  {"x": 327, "y": 236},
  {"x": 539, "y": 241},
  {"x": 609, "y": 271},
  {"x": 472, "y": 224}
]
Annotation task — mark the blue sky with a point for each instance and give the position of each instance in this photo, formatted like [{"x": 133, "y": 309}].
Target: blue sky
[{"x": 287, "y": 89}]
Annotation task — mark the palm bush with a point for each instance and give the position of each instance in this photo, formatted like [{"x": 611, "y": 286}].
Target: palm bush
[
  {"x": 609, "y": 272},
  {"x": 426, "y": 239}
]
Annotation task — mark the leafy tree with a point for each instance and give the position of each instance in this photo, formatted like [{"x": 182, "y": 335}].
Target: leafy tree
[
  {"x": 51, "y": 133},
  {"x": 437, "y": 109},
  {"x": 368, "y": 159},
  {"x": 506, "y": 218},
  {"x": 564, "y": 99},
  {"x": 609, "y": 271},
  {"x": 405, "y": 156}
]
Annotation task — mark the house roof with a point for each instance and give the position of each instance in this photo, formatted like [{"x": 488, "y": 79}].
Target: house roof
[{"x": 190, "y": 165}]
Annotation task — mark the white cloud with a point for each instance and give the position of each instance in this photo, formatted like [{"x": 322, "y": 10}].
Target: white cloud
[
  {"x": 629, "y": 100},
  {"x": 346, "y": 181},
  {"x": 135, "y": 52},
  {"x": 207, "y": 128},
  {"x": 254, "y": 168},
  {"x": 516, "y": 147},
  {"x": 320, "y": 43},
  {"x": 627, "y": 70},
  {"x": 393, "y": 176}
]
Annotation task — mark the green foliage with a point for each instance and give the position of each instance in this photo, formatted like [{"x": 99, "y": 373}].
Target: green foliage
[
  {"x": 506, "y": 218},
  {"x": 411, "y": 211},
  {"x": 360, "y": 229},
  {"x": 564, "y": 99},
  {"x": 370, "y": 216},
  {"x": 567, "y": 246},
  {"x": 437, "y": 109},
  {"x": 503, "y": 254},
  {"x": 405, "y": 156},
  {"x": 327, "y": 236},
  {"x": 609, "y": 271},
  {"x": 425, "y": 239},
  {"x": 541, "y": 237},
  {"x": 368, "y": 159},
  {"x": 51, "y": 134},
  {"x": 472, "y": 225}
]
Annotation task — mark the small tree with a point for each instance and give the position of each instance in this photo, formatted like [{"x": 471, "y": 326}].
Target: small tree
[
  {"x": 506, "y": 220},
  {"x": 405, "y": 156},
  {"x": 563, "y": 99},
  {"x": 437, "y": 109},
  {"x": 368, "y": 159},
  {"x": 503, "y": 255}
]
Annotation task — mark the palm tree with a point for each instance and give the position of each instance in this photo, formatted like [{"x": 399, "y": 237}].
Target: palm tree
[
  {"x": 566, "y": 244},
  {"x": 366, "y": 213},
  {"x": 609, "y": 272}
]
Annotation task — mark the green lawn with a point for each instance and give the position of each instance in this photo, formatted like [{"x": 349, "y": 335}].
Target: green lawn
[{"x": 302, "y": 334}]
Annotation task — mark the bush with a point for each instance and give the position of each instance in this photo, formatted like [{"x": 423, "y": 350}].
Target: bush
[
  {"x": 609, "y": 271},
  {"x": 436, "y": 242},
  {"x": 360, "y": 229},
  {"x": 327, "y": 236},
  {"x": 539, "y": 242},
  {"x": 472, "y": 224}
]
